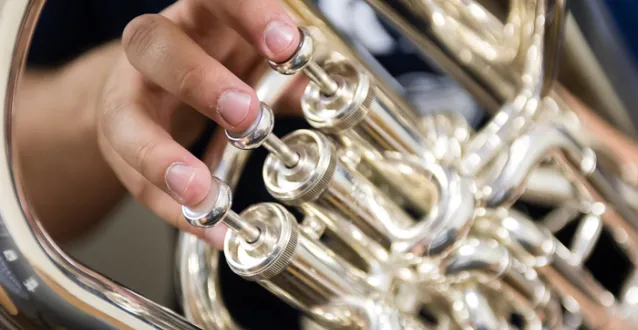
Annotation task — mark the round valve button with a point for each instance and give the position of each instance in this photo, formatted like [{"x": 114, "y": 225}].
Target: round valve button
[
  {"x": 213, "y": 209},
  {"x": 258, "y": 132},
  {"x": 302, "y": 56}
]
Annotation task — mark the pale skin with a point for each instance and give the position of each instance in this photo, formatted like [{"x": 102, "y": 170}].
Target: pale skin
[{"x": 120, "y": 117}]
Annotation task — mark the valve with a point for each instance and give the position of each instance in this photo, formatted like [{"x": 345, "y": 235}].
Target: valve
[
  {"x": 365, "y": 119},
  {"x": 317, "y": 176},
  {"x": 215, "y": 208},
  {"x": 344, "y": 97}
]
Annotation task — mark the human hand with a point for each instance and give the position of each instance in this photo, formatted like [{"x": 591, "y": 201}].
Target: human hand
[{"x": 192, "y": 53}]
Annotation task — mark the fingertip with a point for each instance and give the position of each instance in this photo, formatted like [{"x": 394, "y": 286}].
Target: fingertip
[
  {"x": 238, "y": 109},
  {"x": 215, "y": 236},
  {"x": 188, "y": 184},
  {"x": 281, "y": 39}
]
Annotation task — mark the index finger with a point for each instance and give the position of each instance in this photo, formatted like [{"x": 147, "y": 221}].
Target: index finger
[{"x": 263, "y": 23}]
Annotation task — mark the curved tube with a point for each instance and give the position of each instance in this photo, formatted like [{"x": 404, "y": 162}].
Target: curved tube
[
  {"x": 450, "y": 217},
  {"x": 479, "y": 312},
  {"x": 514, "y": 87},
  {"x": 44, "y": 287},
  {"x": 526, "y": 153},
  {"x": 486, "y": 74},
  {"x": 529, "y": 243},
  {"x": 537, "y": 248},
  {"x": 198, "y": 285},
  {"x": 579, "y": 162},
  {"x": 487, "y": 262},
  {"x": 372, "y": 314},
  {"x": 197, "y": 263},
  {"x": 464, "y": 304}
]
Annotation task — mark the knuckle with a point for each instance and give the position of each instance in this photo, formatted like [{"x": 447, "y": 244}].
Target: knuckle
[
  {"x": 112, "y": 111},
  {"x": 189, "y": 80},
  {"x": 140, "y": 34},
  {"x": 142, "y": 157}
]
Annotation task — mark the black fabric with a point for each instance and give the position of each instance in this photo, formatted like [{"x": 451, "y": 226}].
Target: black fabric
[{"x": 67, "y": 28}]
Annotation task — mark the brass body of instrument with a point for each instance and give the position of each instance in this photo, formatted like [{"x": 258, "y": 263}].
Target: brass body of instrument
[{"x": 420, "y": 211}]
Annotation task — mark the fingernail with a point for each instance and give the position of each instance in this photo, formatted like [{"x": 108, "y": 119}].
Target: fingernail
[
  {"x": 233, "y": 107},
  {"x": 279, "y": 36},
  {"x": 178, "y": 178}
]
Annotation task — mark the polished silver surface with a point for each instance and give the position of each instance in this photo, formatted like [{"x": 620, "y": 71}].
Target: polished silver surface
[
  {"x": 297, "y": 268},
  {"x": 367, "y": 122},
  {"x": 215, "y": 208},
  {"x": 557, "y": 264},
  {"x": 42, "y": 287},
  {"x": 486, "y": 261},
  {"x": 401, "y": 214},
  {"x": 304, "y": 60},
  {"x": 361, "y": 106},
  {"x": 463, "y": 253},
  {"x": 310, "y": 177},
  {"x": 198, "y": 282},
  {"x": 260, "y": 133},
  {"x": 272, "y": 251}
]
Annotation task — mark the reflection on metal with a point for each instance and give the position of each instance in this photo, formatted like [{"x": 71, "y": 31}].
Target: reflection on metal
[
  {"x": 50, "y": 289},
  {"x": 417, "y": 210}
]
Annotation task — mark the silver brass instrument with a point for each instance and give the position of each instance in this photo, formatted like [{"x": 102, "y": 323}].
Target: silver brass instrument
[{"x": 420, "y": 210}]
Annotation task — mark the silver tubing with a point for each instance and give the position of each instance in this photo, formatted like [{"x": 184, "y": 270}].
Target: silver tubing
[
  {"x": 197, "y": 262},
  {"x": 45, "y": 287}
]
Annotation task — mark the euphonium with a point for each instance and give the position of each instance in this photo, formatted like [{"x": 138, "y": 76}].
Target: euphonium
[{"x": 421, "y": 213}]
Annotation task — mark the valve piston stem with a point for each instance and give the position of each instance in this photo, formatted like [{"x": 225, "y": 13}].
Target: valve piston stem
[
  {"x": 281, "y": 151},
  {"x": 260, "y": 133},
  {"x": 215, "y": 208},
  {"x": 247, "y": 231},
  {"x": 320, "y": 77}
]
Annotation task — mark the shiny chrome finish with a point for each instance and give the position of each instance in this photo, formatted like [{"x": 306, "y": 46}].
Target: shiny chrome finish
[
  {"x": 401, "y": 213},
  {"x": 580, "y": 165},
  {"x": 260, "y": 133},
  {"x": 473, "y": 266},
  {"x": 303, "y": 60},
  {"x": 321, "y": 179},
  {"x": 491, "y": 60},
  {"x": 215, "y": 208},
  {"x": 358, "y": 105},
  {"x": 558, "y": 265},
  {"x": 198, "y": 263},
  {"x": 490, "y": 263},
  {"x": 301, "y": 270},
  {"x": 45, "y": 288},
  {"x": 361, "y": 112}
]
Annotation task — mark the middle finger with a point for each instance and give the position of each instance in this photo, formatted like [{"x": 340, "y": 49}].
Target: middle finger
[{"x": 164, "y": 54}]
